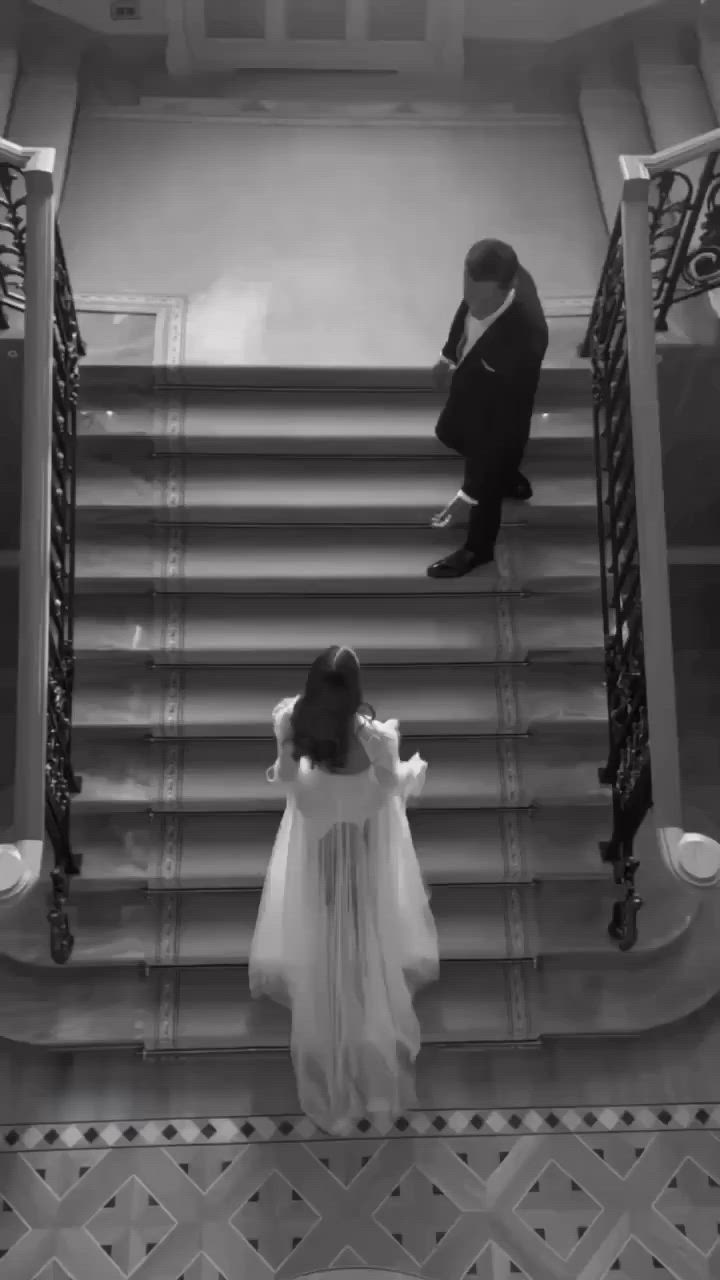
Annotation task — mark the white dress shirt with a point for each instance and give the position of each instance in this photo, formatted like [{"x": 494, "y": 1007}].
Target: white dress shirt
[{"x": 474, "y": 330}]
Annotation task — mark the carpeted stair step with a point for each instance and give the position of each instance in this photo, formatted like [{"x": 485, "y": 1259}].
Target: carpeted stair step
[
  {"x": 269, "y": 561},
  {"x": 196, "y": 851},
  {"x": 206, "y": 629},
  {"x": 212, "y": 1008},
  {"x": 229, "y": 776},
  {"x": 442, "y": 699},
  {"x": 474, "y": 922},
  {"x": 335, "y": 422},
  {"x": 209, "y": 1009},
  {"x": 284, "y": 491}
]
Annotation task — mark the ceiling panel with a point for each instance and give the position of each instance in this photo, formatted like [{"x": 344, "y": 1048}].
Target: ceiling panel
[
  {"x": 315, "y": 19},
  {"x": 235, "y": 19},
  {"x": 397, "y": 19}
]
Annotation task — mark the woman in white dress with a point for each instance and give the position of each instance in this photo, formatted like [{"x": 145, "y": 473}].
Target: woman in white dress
[{"x": 345, "y": 935}]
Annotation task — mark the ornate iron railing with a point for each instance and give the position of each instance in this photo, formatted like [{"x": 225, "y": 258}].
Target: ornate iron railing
[
  {"x": 60, "y": 436},
  {"x": 12, "y": 243},
  {"x": 684, "y": 242}
]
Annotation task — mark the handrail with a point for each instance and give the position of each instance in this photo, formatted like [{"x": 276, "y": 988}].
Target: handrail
[
  {"x": 658, "y": 161},
  {"x": 11, "y": 153},
  {"x": 664, "y": 248},
  {"x": 34, "y": 281}
]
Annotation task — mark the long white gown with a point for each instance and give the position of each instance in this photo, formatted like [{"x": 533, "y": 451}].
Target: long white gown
[{"x": 344, "y": 935}]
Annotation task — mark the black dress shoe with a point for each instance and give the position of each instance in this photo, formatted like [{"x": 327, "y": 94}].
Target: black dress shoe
[
  {"x": 457, "y": 564},
  {"x": 520, "y": 490}
]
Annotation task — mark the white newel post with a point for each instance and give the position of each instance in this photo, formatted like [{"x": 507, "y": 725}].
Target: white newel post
[
  {"x": 649, "y": 489},
  {"x": 691, "y": 858}
]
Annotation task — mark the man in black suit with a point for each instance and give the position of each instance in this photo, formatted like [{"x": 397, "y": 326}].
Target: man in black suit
[{"x": 491, "y": 364}]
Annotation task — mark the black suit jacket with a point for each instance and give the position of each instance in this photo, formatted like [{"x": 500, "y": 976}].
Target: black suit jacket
[{"x": 493, "y": 390}]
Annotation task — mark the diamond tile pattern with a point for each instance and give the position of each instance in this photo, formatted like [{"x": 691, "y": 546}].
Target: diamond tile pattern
[
  {"x": 610, "y": 1192},
  {"x": 130, "y": 1225}
]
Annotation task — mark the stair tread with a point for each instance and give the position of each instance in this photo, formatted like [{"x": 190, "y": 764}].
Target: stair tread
[
  {"x": 347, "y": 421},
  {"x": 214, "y": 1008},
  {"x": 432, "y": 699},
  {"x": 211, "y": 1008},
  {"x": 189, "y": 850},
  {"x": 385, "y": 560},
  {"x": 467, "y": 773},
  {"x": 250, "y": 489},
  {"x": 474, "y": 922},
  {"x": 213, "y": 629}
]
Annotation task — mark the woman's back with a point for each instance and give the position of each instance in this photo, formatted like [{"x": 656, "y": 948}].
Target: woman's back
[
  {"x": 356, "y": 760},
  {"x": 345, "y": 934}
]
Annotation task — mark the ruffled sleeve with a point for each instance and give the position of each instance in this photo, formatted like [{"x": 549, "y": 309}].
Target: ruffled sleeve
[
  {"x": 281, "y": 714},
  {"x": 381, "y": 741},
  {"x": 285, "y": 768}
]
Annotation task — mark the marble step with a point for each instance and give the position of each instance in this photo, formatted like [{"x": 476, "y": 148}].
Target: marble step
[
  {"x": 335, "y": 422},
  {"x": 474, "y": 922},
  {"x": 196, "y": 851},
  {"x": 198, "y": 775},
  {"x": 287, "y": 491},
  {"x": 440, "y": 699},
  {"x": 272, "y": 561},
  {"x": 208, "y": 630}
]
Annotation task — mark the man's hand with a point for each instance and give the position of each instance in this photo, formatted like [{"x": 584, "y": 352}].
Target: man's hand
[
  {"x": 442, "y": 375},
  {"x": 451, "y": 514}
]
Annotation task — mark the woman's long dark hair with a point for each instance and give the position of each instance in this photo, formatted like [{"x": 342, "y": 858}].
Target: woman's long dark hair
[{"x": 323, "y": 715}]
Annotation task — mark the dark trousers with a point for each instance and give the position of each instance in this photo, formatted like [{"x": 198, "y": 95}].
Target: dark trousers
[{"x": 488, "y": 479}]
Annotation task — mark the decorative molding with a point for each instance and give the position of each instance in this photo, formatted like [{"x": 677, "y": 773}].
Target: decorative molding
[
  {"x": 410, "y": 114},
  {"x": 170, "y": 324},
  {"x": 190, "y": 49},
  {"x": 431, "y": 1126}
]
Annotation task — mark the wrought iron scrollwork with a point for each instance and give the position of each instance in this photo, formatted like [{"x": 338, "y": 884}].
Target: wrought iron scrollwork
[
  {"x": 61, "y": 783},
  {"x": 685, "y": 240},
  {"x": 684, "y": 235},
  {"x": 627, "y": 769},
  {"x": 12, "y": 244}
]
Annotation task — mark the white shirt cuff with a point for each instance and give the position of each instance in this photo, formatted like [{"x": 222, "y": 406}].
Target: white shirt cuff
[
  {"x": 464, "y": 498},
  {"x": 450, "y": 363}
]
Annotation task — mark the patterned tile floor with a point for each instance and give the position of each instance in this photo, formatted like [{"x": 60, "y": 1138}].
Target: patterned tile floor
[{"x": 571, "y": 1193}]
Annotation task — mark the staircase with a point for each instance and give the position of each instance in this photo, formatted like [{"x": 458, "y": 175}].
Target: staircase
[
  {"x": 292, "y": 521},
  {"x": 211, "y": 569},
  {"x": 225, "y": 536}
]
